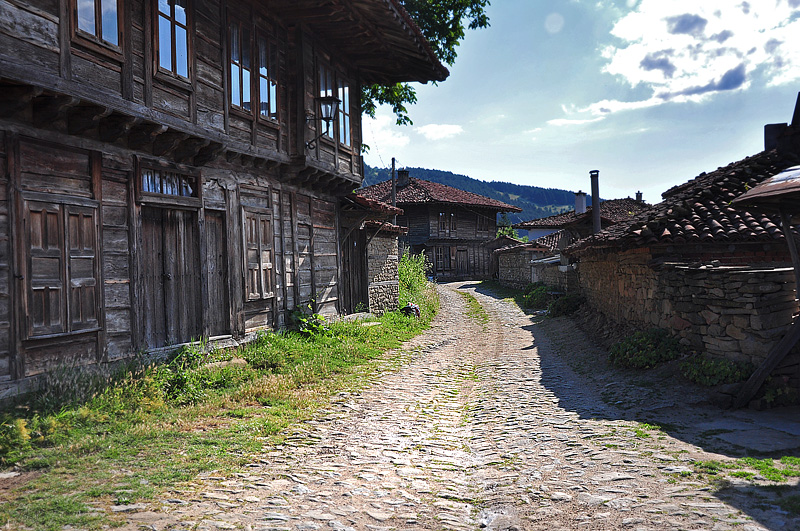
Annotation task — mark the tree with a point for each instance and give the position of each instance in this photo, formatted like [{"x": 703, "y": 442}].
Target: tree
[
  {"x": 443, "y": 23},
  {"x": 504, "y": 227}
]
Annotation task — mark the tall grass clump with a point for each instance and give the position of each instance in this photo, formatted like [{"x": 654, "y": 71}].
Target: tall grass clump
[{"x": 413, "y": 270}]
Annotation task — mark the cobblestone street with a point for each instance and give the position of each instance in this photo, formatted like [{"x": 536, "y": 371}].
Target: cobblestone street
[{"x": 484, "y": 425}]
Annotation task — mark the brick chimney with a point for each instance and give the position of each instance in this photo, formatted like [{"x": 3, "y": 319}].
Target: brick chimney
[
  {"x": 580, "y": 202},
  {"x": 594, "y": 175}
]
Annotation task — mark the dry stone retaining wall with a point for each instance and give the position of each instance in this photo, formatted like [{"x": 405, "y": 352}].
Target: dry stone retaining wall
[{"x": 515, "y": 269}]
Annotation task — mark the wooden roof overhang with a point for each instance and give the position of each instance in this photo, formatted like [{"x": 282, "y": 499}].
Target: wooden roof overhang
[
  {"x": 62, "y": 106},
  {"x": 378, "y": 36}
]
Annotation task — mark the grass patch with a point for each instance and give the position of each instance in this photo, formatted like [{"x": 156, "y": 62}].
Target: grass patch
[
  {"x": 154, "y": 427},
  {"x": 474, "y": 308},
  {"x": 645, "y": 350}
]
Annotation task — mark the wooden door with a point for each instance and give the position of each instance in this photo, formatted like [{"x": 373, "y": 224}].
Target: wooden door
[
  {"x": 171, "y": 277},
  {"x": 219, "y": 318},
  {"x": 461, "y": 262},
  {"x": 354, "y": 273}
]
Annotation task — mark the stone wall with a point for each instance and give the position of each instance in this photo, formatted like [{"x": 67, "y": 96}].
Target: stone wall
[
  {"x": 382, "y": 274},
  {"x": 515, "y": 268},
  {"x": 735, "y": 312},
  {"x": 558, "y": 277}
]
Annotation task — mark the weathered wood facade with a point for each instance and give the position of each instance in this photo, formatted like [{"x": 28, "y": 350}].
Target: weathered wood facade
[
  {"x": 455, "y": 229},
  {"x": 166, "y": 175}
]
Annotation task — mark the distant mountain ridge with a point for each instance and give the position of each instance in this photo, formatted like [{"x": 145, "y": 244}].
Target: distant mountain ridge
[{"x": 535, "y": 202}]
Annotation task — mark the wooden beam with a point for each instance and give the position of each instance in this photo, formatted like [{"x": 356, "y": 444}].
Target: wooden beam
[
  {"x": 786, "y": 225},
  {"x": 189, "y": 148},
  {"x": 144, "y": 134},
  {"x": 208, "y": 153},
  {"x": 49, "y": 109},
  {"x": 167, "y": 142},
  {"x": 116, "y": 126},
  {"x": 16, "y": 97},
  {"x": 85, "y": 117}
]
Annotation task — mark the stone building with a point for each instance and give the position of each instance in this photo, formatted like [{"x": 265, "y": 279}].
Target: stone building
[{"x": 716, "y": 276}]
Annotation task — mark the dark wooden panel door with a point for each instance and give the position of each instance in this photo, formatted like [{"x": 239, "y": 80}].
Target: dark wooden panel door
[
  {"x": 172, "y": 310},
  {"x": 354, "y": 273},
  {"x": 461, "y": 262},
  {"x": 219, "y": 321}
]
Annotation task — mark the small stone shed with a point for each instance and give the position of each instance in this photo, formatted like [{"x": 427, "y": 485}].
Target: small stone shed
[
  {"x": 514, "y": 262},
  {"x": 718, "y": 277}
]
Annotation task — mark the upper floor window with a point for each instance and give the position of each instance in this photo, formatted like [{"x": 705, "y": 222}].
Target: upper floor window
[
  {"x": 483, "y": 222},
  {"x": 99, "y": 19},
  {"x": 344, "y": 113},
  {"x": 332, "y": 83},
  {"x": 173, "y": 37},
  {"x": 241, "y": 66},
  {"x": 447, "y": 222},
  {"x": 267, "y": 78},
  {"x": 253, "y": 79}
]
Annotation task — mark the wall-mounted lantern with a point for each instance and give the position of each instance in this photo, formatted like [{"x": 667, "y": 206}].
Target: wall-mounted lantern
[{"x": 328, "y": 107}]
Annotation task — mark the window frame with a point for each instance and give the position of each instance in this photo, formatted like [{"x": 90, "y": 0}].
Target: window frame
[
  {"x": 146, "y": 197},
  {"x": 335, "y": 80},
  {"x": 259, "y": 32},
  {"x": 67, "y": 206},
  {"x": 448, "y": 222},
  {"x": 271, "y": 77},
  {"x": 160, "y": 71},
  {"x": 482, "y": 222},
  {"x": 95, "y": 41}
]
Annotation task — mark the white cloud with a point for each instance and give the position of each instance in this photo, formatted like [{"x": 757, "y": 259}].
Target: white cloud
[
  {"x": 381, "y": 133},
  {"x": 558, "y": 122},
  {"x": 554, "y": 23},
  {"x": 685, "y": 50},
  {"x": 439, "y": 131}
]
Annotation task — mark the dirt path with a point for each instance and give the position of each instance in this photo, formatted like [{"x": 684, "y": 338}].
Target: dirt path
[{"x": 486, "y": 425}]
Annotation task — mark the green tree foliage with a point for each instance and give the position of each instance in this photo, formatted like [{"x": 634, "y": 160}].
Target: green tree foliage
[{"x": 443, "y": 23}]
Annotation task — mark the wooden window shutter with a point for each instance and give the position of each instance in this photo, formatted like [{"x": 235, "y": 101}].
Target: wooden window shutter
[
  {"x": 258, "y": 251},
  {"x": 82, "y": 257},
  {"x": 46, "y": 301}
]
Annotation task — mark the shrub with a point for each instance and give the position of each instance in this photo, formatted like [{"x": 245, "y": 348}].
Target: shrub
[
  {"x": 413, "y": 271},
  {"x": 708, "y": 371},
  {"x": 535, "y": 297},
  {"x": 644, "y": 350},
  {"x": 566, "y": 305}
]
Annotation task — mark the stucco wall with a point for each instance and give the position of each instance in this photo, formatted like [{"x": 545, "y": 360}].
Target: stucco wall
[{"x": 382, "y": 274}]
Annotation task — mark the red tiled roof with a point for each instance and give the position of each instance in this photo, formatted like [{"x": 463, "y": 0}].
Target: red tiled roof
[
  {"x": 700, "y": 211},
  {"x": 526, "y": 246},
  {"x": 613, "y": 211},
  {"x": 385, "y": 227},
  {"x": 556, "y": 240},
  {"x": 421, "y": 192},
  {"x": 375, "y": 205}
]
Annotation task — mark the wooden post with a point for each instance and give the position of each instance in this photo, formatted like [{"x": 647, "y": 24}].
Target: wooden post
[{"x": 779, "y": 351}]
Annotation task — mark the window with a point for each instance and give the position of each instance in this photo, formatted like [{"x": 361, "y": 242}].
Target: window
[
  {"x": 483, "y": 222},
  {"x": 98, "y": 20},
  {"x": 173, "y": 37},
  {"x": 157, "y": 181},
  {"x": 267, "y": 78},
  {"x": 253, "y": 79},
  {"x": 61, "y": 263},
  {"x": 241, "y": 67},
  {"x": 442, "y": 255},
  {"x": 344, "y": 113},
  {"x": 447, "y": 222},
  {"x": 325, "y": 90},
  {"x": 258, "y": 255},
  {"x": 332, "y": 83}
]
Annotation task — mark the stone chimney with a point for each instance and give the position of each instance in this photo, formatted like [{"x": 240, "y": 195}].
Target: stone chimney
[
  {"x": 580, "y": 202},
  {"x": 594, "y": 176},
  {"x": 639, "y": 197},
  {"x": 402, "y": 178},
  {"x": 771, "y": 134}
]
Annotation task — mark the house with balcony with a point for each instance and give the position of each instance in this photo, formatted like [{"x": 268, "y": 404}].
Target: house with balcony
[
  {"x": 174, "y": 169},
  {"x": 455, "y": 229}
]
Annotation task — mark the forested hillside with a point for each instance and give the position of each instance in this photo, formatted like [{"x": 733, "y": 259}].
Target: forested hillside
[{"x": 534, "y": 201}]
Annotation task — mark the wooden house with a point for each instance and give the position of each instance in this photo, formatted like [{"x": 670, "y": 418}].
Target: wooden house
[
  {"x": 167, "y": 171},
  {"x": 455, "y": 229}
]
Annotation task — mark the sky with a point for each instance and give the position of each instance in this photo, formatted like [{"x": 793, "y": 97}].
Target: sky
[{"x": 649, "y": 92}]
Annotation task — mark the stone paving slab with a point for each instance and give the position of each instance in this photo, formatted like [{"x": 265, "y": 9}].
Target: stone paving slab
[{"x": 484, "y": 427}]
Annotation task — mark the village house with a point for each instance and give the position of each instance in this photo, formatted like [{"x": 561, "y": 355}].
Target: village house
[
  {"x": 174, "y": 169},
  {"x": 455, "y": 229},
  {"x": 716, "y": 275},
  {"x": 540, "y": 259}
]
